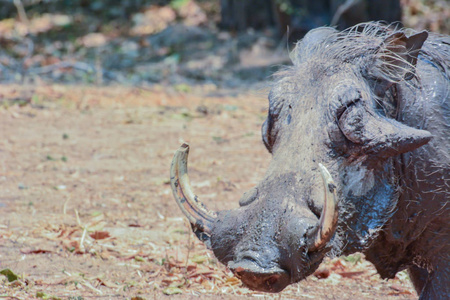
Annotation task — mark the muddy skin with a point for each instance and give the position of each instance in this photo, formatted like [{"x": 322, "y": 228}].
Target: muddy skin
[{"x": 371, "y": 104}]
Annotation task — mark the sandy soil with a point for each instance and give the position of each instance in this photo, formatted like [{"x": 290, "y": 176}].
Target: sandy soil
[{"x": 85, "y": 206}]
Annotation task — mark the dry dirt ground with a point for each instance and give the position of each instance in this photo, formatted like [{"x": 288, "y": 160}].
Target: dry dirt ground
[{"x": 86, "y": 210}]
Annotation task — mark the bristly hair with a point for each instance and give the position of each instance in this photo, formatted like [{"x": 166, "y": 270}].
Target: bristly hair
[{"x": 363, "y": 44}]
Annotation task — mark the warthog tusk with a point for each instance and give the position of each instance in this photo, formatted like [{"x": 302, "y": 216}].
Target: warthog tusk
[
  {"x": 196, "y": 212},
  {"x": 326, "y": 227}
]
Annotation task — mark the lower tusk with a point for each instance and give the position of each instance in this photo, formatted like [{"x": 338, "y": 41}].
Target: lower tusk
[
  {"x": 324, "y": 231},
  {"x": 198, "y": 215}
]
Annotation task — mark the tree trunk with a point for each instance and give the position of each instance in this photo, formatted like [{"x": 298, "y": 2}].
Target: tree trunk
[
  {"x": 240, "y": 15},
  {"x": 303, "y": 15}
]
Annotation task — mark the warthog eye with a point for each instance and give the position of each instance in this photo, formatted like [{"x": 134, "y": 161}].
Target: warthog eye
[
  {"x": 267, "y": 130},
  {"x": 340, "y": 111},
  {"x": 269, "y": 133}
]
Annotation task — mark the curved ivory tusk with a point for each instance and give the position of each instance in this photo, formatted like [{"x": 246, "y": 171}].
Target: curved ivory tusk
[
  {"x": 198, "y": 215},
  {"x": 322, "y": 234}
]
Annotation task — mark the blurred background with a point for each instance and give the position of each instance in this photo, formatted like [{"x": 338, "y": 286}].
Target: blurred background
[{"x": 227, "y": 43}]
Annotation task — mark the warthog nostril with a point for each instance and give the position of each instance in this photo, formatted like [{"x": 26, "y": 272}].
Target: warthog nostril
[{"x": 270, "y": 280}]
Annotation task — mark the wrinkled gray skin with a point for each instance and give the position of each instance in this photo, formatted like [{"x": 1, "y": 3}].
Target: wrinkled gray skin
[{"x": 378, "y": 117}]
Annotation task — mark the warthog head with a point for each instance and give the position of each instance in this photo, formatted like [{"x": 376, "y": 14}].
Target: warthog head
[{"x": 329, "y": 186}]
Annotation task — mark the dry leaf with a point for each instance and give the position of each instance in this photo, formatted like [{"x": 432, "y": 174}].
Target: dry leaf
[
  {"x": 35, "y": 251},
  {"x": 107, "y": 283},
  {"x": 399, "y": 290},
  {"x": 100, "y": 235},
  {"x": 351, "y": 274},
  {"x": 322, "y": 273},
  {"x": 172, "y": 291}
]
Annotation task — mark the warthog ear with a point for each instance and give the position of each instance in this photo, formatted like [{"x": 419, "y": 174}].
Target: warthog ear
[
  {"x": 397, "y": 56},
  {"x": 378, "y": 135}
]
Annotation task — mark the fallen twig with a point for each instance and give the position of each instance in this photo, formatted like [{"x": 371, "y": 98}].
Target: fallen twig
[{"x": 63, "y": 64}]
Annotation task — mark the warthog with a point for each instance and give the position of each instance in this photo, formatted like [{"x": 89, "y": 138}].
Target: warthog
[{"x": 359, "y": 131}]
